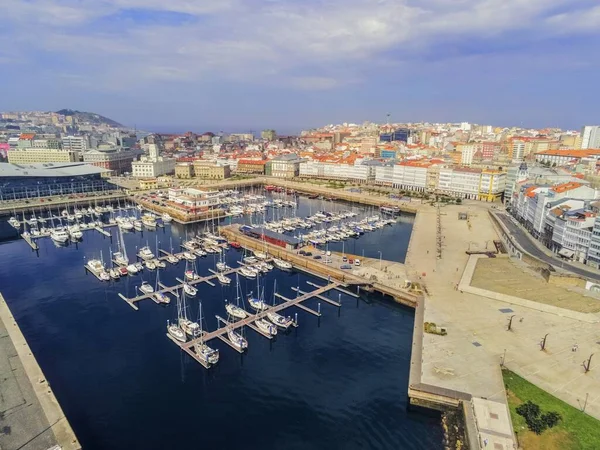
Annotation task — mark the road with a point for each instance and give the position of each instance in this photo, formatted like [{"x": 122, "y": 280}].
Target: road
[{"x": 525, "y": 241}]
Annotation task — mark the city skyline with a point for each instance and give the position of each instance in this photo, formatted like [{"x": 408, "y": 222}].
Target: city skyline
[{"x": 251, "y": 65}]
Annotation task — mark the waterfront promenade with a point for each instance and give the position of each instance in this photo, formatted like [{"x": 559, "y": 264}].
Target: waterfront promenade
[{"x": 30, "y": 416}]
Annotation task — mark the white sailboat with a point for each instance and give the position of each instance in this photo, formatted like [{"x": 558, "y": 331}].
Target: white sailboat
[
  {"x": 209, "y": 355},
  {"x": 266, "y": 327},
  {"x": 281, "y": 264},
  {"x": 146, "y": 288},
  {"x": 191, "y": 328},
  {"x": 257, "y": 303},
  {"x": 172, "y": 258},
  {"x": 160, "y": 297},
  {"x": 278, "y": 319},
  {"x": 223, "y": 279},
  {"x": 235, "y": 310},
  {"x": 174, "y": 329}
]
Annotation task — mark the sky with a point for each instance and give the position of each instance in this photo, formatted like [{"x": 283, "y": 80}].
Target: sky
[{"x": 241, "y": 65}]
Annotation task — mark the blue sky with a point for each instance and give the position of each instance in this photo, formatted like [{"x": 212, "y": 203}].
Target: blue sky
[{"x": 250, "y": 64}]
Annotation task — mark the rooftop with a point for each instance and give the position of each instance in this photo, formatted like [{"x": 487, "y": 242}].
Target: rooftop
[{"x": 49, "y": 170}]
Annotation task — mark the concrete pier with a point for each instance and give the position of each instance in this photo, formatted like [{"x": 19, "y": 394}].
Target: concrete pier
[{"x": 30, "y": 416}]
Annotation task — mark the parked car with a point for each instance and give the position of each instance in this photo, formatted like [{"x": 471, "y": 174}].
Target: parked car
[
  {"x": 357, "y": 262},
  {"x": 344, "y": 258},
  {"x": 302, "y": 252},
  {"x": 317, "y": 257},
  {"x": 345, "y": 266},
  {"x": 308, "y": 254},
  {"x": 350, "y": 261}
]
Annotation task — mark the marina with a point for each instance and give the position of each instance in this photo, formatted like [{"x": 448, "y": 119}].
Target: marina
[{"x": 101, "y": 320}]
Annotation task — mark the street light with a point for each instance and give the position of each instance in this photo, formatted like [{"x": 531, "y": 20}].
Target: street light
[{"x": 379, "y": 251}]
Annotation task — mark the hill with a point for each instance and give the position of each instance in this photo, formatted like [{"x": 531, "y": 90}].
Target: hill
[{"x": 93, "y": 118}]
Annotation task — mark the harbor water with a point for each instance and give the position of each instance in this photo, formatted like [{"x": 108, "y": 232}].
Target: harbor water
[{"x": 335, "y": 382}]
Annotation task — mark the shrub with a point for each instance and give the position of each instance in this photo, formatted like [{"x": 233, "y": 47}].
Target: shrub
[{"x": 536, "y": 422}]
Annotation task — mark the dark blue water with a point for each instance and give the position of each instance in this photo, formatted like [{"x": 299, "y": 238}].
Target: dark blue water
[{"x": 335, "y": 383}]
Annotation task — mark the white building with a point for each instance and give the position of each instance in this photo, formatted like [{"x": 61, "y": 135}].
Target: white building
[
  {"x": 593, "y": 257},
  {"x": 147, "y": 168},
  {"x": 75, "y": 143},
  {"x": 590, "y": 136},
  {"x": 194, "y": 199},
  {"x": 335, "y": 171},
  {"x": 467, "y": 154},
  {"x": 410, "y": 175}
]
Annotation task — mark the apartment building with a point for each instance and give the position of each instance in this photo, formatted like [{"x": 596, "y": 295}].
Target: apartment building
[
  {"x": 148, "y": 168},
  {"x": 75, "y": 143},
  {"x": 251, "y": 166},
  {"x": 590, "y": 137},
  {"x": 115, "y": 159},
  {"x": 41, "y": 155},
  {"x": 284, "y": 166},
  {"x": 409, "y": 175},
  {"x": 336, "y": 171},
  {"x": 593, "y": 256},
  {"x": 210, "y": 171}
]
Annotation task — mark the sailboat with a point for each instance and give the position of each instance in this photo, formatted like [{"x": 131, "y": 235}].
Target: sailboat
[
  {"x": 256, "y": 302},
  {"x": 172, "y": 258},
  {"x": 203, "y": 351},
  {"x": 235, "y": 310},
  {"x": 146, "y": 288},
  {"x": 190, "y": 328},
  {"x": 174, "y": 329},
  {"x": 278, "y": 319},
  {"x": 160, "y": 297},
  {"x": 223, "y": 279},
  {"x": 266, "y": 327}
]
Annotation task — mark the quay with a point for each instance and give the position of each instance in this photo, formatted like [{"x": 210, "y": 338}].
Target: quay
[{"x": 30, "y": 415}]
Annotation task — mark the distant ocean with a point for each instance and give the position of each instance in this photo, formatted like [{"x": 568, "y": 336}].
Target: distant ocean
[{"x": 166, "y": 129}]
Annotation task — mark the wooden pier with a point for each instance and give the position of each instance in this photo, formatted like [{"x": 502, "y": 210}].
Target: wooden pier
[{"x": 30, "y": 241}]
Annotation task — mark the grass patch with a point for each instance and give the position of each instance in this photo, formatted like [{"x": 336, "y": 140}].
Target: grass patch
[{"x": 576, "y": 430}]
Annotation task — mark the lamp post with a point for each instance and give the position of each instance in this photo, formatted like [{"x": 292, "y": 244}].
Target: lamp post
[{"x": 379, "y": 251}]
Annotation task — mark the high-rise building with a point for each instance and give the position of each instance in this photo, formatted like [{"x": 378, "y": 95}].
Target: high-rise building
[
  {"x": 590, "y": 136},
  {"x": 269, "y": 135},
  {"x": 75, "y": 143}
]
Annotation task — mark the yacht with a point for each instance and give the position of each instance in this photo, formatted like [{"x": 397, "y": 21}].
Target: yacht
[
  {"x": 279, "y": 320},
  {"x": 145, "y": 253},
  {"x": 190, "y": 290},
  {"x": 247, "y": 272},
  {"x": 266, "y": 327},
  {"x": 235, "y": 311},
  {"x": 281, "y": 264},
  {"x": 149, "y": 221},
  {"x": 146, "y": 288},
  {"x": 95, "y": 265},
  {"x": 237, "y": 340},
  {"x": 120, "y": 259},
  {"x": 59, "y": 235},
  {"x": 104, "y": 276},
  {"x": 191, "y": 328},
  {"x": 114, "y": 274},
  {"x": 261, "y": 255},
  {"x": 257, "y": 303},
  {"x": 223, "y": 279},
  {"x": 191, "y": 275},
  {"x": 222, "y": 267},
  {"x": 207, "y": 354},
  {"x": 166, "y": 218},
  {"x": 161, "y": 297},
  {"x": 123, "y": 271},
  {"x": 139, "y": 266},
  {"x": 189, "y": 256},
  {"x": 160, "y": 264},
  {"x": 176, "y": 332},
  {"x": 150, "y": 264},
  {"x": 75, "y": 232},
  {"x": 132, "y": 269},
  {"x": 14, "y": 222},
  {"x": 124, "y": 223},
  {"x": 172, "y": 259}
]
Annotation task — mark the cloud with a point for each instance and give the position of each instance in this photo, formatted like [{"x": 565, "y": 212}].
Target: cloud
[{"x": 308, "y": 45}]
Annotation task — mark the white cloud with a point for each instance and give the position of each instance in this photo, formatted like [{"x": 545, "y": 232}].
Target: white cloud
[{"x": 311, "y": 44}]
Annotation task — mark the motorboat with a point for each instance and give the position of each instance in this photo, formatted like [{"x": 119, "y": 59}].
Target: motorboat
[
  {"x": 176, "y": 332},
  {"x": 235, "y": 311},
  {"x": 172, "y": 259},
  {"x": 237, "y": 340},
  {"x": 59, "y": 235},
  {"x": 14, "y": 222},
  {"x": 123, "y": 271},
  {"x": 95, "y": 265},
  {"x": 160, "y": 264},
  {"x": 146, "y": 288},
  {"x": 250, "y": 260},
  {"x": 266, "y": 327},
  {"x": 200, "y": 252},
  {"x": 166, "y": 218},
  {"x": 247, "y": 272},
  {"x": 150, "y": 264},
  {"x": 138, "y": 225},
  {"x": 279, "y": 320},
  {"x": 145, "y": 253},
  {"x": 132, "y": 269},
  {"x": 190, "y": 290},
  {"x": 281, "y": 264},
  {"x": 114, "y": 274},
  {"x": 139, "y": 266},
  {"x": 223, "y": 279},
  {"x": 124, "y": 223},
  {"x": 206, "y": 353}
]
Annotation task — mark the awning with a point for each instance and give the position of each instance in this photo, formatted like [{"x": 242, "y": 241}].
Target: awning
[{"x": 566, "y": 253}]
